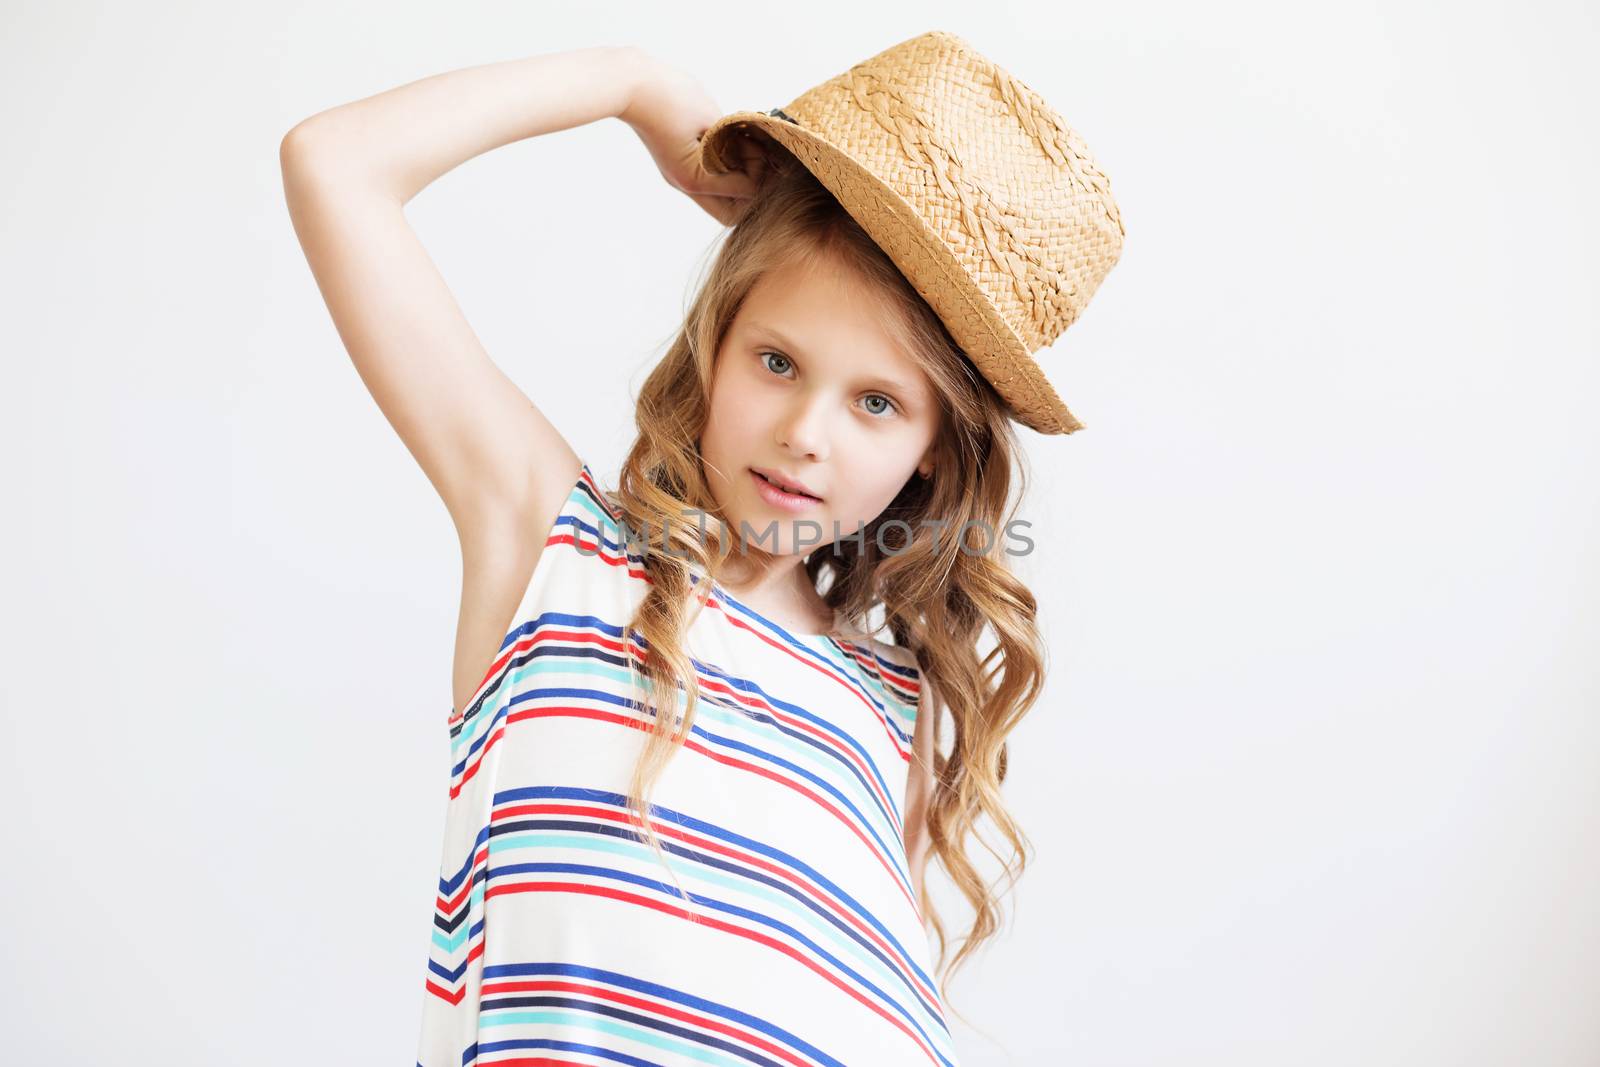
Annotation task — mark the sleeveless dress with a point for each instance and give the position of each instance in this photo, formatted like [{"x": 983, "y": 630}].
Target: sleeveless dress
[{"x": 559, "y": 937}]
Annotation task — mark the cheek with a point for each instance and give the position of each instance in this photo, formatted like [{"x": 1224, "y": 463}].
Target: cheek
[
  {"x": 736, "y": 417},
  {"x": 729, "y": 442},
  {"x": 870, "y": 493}
]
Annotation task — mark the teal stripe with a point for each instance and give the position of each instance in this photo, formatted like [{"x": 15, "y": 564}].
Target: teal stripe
[
  {"x": 612, "y": 681},
  {"x": 583, "y": 1020},
  {"x": 700, "y": 875},
  {"x": 453, "y": 943}
]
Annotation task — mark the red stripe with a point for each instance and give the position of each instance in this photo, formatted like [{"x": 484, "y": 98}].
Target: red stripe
[
  {"x": 452, "y": 998},
  {"x": 707, "y": 920},
  {"x": 623, "y": 560},
  {"x": 690, "y": 743},
  {"x": 713, "y": 685},
  {"x": 660, "y": 1008},
  {"x": 741, "y": 624},
  {"x": 793, "y": 877},
  {"x": 500, "y": 661},
  {"x": 750, "y": 700},
  {"x": 448, "y": 907},
  {"x": 455, "y": 998}
]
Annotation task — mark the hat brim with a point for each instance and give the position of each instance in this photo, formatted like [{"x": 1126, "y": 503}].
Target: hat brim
[{"x": 923, "y": 258}]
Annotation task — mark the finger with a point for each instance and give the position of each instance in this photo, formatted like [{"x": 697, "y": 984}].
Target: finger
[
  {"x": 751, "y": 158},
  {"x": 742, "y": 179},
  {"x": 754, "y": 162},
  {"x": 734, "y": 184}
]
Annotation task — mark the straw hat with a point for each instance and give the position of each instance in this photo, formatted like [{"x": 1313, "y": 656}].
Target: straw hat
[{"x": 987, "y": 201}]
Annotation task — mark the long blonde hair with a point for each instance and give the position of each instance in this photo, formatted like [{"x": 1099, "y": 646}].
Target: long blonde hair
[{"x": 937, "y": 592}]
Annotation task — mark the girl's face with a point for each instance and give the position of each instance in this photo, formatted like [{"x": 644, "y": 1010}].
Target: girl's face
[{"x": 810, "y": 386}]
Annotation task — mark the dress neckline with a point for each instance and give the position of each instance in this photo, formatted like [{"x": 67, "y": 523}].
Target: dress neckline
[{"x": 840, "y": 631}]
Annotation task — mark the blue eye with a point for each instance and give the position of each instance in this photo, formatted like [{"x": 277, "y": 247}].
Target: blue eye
[{"x": 879, "y": 412}]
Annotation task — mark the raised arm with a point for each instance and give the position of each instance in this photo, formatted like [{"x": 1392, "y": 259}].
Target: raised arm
[
  {"x": 501, "y": 468},
  {"x": 347, "y": 173}
]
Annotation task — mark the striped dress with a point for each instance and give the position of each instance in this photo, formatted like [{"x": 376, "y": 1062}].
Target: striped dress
[{"x": 558, "y": 936}]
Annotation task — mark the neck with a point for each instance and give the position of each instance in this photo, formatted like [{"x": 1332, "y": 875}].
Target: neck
[{"x": 783, "y": 586}]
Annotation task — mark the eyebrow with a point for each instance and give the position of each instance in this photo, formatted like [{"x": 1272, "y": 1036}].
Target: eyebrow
[{"x": 891, "y": 384}]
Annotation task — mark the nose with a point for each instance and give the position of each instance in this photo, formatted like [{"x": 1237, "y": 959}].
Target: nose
[{"x": 804, "y": 429}]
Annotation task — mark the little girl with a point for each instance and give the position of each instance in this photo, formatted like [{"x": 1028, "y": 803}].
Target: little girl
[{"x": 697, "y": 774}]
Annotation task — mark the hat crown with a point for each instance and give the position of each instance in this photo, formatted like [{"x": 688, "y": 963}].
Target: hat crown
[{"x": 988, "y": 166}]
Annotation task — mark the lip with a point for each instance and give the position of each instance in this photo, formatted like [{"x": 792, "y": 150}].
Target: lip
[
  {"x": 786, "y": 483},
  {"x": 778, "y": 497}
]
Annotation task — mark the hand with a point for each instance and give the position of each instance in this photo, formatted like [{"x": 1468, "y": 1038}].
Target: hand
[{"x": 669, "y": 111}]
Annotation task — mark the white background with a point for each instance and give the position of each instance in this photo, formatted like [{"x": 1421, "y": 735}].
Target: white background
[{"x": 1314, "y": 778}]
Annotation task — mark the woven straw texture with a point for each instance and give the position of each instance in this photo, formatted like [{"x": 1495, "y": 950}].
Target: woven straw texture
[{"x": 988, "y": 202}]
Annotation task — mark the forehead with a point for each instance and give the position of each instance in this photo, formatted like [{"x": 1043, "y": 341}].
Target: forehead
[{"x": 829, "y": 318}]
